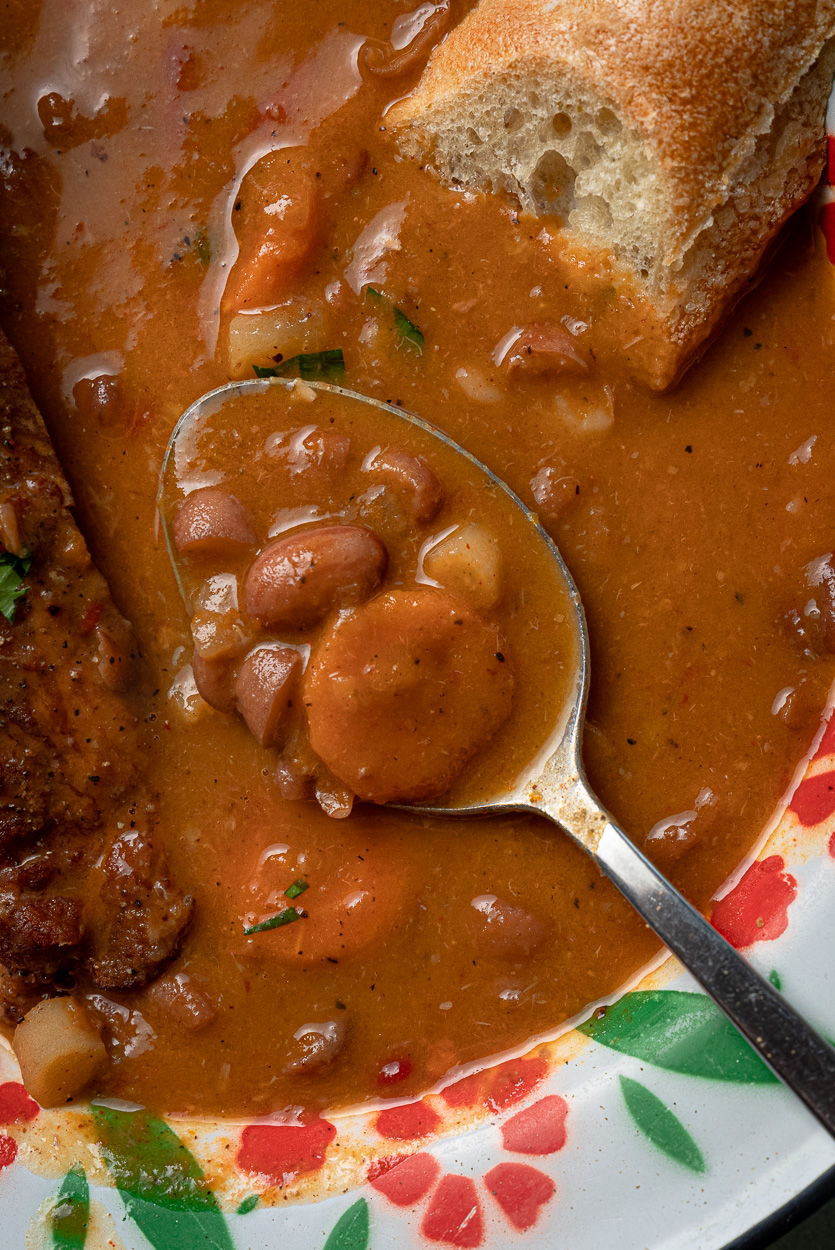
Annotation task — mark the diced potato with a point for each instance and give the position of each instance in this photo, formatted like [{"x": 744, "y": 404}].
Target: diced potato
[
  {"x": 586, "y": 417},
  {"x": 219, "y": 635},
  {"x": 187, "y": 702},
  {"x": 58, "y": 1050},
  {"x": 218, "y": 593},
  {"x": 468, "y": 563},
  {"x": 258, "y": 338},
  {"x": 477, "y": 386}
]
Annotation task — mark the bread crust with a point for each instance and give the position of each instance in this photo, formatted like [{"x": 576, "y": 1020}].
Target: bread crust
[{"x": 725, "y": 98}]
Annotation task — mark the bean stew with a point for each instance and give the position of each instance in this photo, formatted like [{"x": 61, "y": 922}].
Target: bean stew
[{"x": 198, "y": 192}]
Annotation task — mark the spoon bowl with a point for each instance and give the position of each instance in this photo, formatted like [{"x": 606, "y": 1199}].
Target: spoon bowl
[
  {"x": 254, "y": 419},
  {"x": 534, "y": 764}
]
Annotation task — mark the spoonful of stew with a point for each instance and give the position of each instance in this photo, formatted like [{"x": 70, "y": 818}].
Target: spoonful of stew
[{"x": 394, "y": 626}]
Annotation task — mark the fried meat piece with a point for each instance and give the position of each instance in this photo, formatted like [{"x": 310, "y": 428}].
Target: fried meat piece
[
  {"x": 143, "y": 915},
  {"x": 71, "y": 745}
]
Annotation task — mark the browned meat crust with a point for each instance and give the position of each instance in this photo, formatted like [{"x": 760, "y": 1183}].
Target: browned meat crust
[
  {"x": 84, "y": 888},
  {"x": 143, "y": 916}
]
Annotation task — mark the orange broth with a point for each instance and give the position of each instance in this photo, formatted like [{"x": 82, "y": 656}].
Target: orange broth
[{"x": 128, "y": 143}]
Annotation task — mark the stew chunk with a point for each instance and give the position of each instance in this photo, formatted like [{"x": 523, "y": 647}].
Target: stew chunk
[
  {"x": 401, "y": 692},
  {"x": 211, "y": 522},
  {"x": 297, "y": 580},
  {"x": 58, "y": 1050},
  {"x": 264, "y": 689}
]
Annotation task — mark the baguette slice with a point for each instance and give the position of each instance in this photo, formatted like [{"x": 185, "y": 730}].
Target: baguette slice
[{"x": 673, "y": 138}]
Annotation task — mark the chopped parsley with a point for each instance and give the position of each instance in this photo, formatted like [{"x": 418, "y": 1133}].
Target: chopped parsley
[
  {"x": 287, "y": 916},
  {"x": 327, "y": 366},
  {"x": 408, "y": 331},
  {"x": 13, "y": 569},
  {"x": 297, "y": 888}
]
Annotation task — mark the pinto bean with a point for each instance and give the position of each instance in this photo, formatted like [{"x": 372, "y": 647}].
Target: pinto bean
[
  {"x": 401, "y": 692},
  {"x": 58, "y": 1050},
  {"x": 100, "y": 399},
  {"x": 546, "y": 348},
  {"x": 412, "y": 477},
  {"x": 468, "y": 562},
  {"x": 311, "y": 452},
  {"x": 554, "y": 493},
  {"x": 212, "y": 522},
  {"x": 505, "y": 929},
  {"x": 183, "y": 1001},
  {"x": 215, "y": 681},
  {"x": 315, "y": 1046},
  {"x": 298, "y": 579},
  {"x": 265, "y": 687}
]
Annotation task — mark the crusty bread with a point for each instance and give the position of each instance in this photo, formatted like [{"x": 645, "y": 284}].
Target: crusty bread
[{"x": 672, "y": 137}]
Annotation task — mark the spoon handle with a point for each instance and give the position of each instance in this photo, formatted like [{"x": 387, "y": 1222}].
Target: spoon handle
[{"x": 783, "y": 1039}]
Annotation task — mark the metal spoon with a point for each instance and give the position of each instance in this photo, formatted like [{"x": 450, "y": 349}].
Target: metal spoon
[{"x": 554, "y": 784}]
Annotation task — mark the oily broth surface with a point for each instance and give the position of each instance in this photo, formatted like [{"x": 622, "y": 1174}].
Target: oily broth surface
[
  {"x": 690, "y": 524},
  {"x": 229, "y": 447}
]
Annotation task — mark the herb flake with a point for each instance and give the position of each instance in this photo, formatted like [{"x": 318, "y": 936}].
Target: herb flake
[
  {"x": 13, "y": 569},
  {"x": 297, "y": 888},
  {"x": 408, "y": 331},
  {"x": 286, "y": 916},
  {"x": 327, "y": 366}
]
